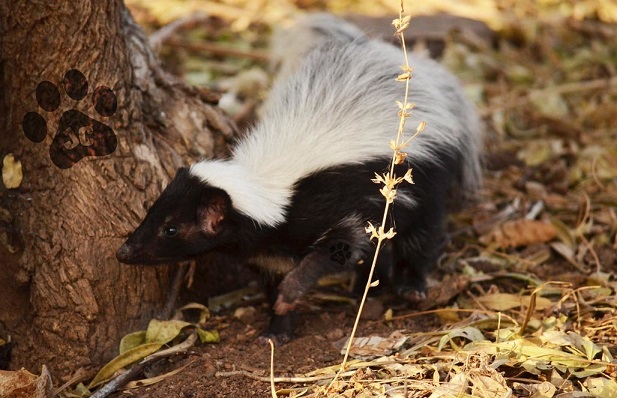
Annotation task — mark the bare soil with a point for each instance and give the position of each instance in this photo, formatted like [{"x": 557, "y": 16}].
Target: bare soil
[{"x": 210, "y": 368}]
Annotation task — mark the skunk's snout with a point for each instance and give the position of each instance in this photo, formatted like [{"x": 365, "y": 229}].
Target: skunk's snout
[{"x": 125, "y": 254}]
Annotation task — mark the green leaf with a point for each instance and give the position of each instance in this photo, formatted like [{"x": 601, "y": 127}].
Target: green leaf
[
  {"x": 208, "y": 336},
  {"x": 132, "y": 340},
  {"x": 122, "y": 360},
  {"x": 204, "y": 312},
  {"x": 469, "y": 333},
  {"x": 164, "y": 331}
]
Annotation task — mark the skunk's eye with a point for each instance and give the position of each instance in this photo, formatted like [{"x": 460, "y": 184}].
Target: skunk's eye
[{"x": 170, "y": 232}]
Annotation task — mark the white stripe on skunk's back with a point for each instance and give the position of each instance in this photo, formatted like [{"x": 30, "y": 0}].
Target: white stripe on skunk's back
[{"x": 339, "y": 108}]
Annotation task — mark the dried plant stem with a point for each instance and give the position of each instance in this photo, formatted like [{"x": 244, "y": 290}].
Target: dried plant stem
[
  {"x": 265, "y": 379},
  {"x": 390, "y": 181},
  {"x": 272, "y": 388},
  {"x": 497, "y": 314}
]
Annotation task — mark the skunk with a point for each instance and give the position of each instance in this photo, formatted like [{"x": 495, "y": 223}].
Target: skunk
[{"x": 296, "y": 194}]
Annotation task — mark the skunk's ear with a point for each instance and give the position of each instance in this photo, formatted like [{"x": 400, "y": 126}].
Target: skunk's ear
[{"x": 211, "y": 213}]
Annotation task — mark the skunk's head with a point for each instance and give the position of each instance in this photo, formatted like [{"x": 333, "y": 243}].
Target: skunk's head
[{"x": 189, "y": 218}]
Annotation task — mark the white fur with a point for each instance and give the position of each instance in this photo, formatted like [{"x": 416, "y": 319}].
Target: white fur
[
  {"x": 339, "y": 108},
  {"x": 290, "y": 44}
]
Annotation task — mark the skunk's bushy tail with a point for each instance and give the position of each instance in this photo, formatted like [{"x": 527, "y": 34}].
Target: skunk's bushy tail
[
  {"x": 292, "y": 43},
  {"x": 336, "y": 105}
]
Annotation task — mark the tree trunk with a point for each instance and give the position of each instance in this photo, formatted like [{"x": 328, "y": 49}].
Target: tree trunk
[{"x": 64, "y": 299}]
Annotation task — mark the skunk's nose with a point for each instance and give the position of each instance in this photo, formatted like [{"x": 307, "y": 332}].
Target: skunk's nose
[{"x": 124, "y": 254}]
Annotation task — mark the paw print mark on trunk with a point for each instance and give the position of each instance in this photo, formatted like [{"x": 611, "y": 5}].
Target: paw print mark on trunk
[
  {"x": 48, "y": 98},
  {"x": 77, "y": 135}
]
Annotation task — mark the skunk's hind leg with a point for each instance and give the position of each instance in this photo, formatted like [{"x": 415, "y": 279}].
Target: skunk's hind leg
[
  {"x": 411, "y": 266},
  {"x": 417, "y": 247}
]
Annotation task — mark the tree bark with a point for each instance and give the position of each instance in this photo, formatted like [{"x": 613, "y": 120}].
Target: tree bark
[{"x": 65, "y": 300}]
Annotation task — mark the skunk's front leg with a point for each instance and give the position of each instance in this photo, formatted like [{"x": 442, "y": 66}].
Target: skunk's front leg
[
  {"x": 299, "y": 280},
  {"x": 340, "y": 248},
  {"x": 281, "y": 327}
]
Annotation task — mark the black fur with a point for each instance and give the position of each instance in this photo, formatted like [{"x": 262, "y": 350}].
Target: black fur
[
  {"x": 346, "y": 97},
  {"x": 323, "y": 233}
]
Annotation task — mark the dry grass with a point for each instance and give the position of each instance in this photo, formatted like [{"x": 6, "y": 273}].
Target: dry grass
[
  {"x": 389, "y": 182},
  {"x": 548, "y": 94}
]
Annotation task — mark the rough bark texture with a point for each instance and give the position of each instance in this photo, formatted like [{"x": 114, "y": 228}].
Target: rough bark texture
[{"x": 65, "y": 300}]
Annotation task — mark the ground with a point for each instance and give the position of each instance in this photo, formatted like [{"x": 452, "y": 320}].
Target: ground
[
  {"x": 239, "y": 366},
  {"x": 530, "y": 270},
  {"x": 211, "y": 367}
]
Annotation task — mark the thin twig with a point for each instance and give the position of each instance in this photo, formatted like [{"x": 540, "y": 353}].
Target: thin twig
[
  {"x": 158, "y": 38},
  {"x": 136, "y": 369},
  {"x": 174, "y": 290},
  {"x": 219, "y": 49},
  {"x": 156, "y": 379},
  {"x": 589, "y": 247},
  {"x": 124, "y": 378},
  {"x": 267, "y": 379},
  {"x": 594, "y": 173},
  {"x": 80, "y": 375}
]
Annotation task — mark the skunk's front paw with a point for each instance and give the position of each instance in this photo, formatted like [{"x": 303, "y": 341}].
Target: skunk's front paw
[
  {"x": 278, "y": 339},
  {"x": 412, "y": 295},
  {"x": 280, "y": 330}
]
